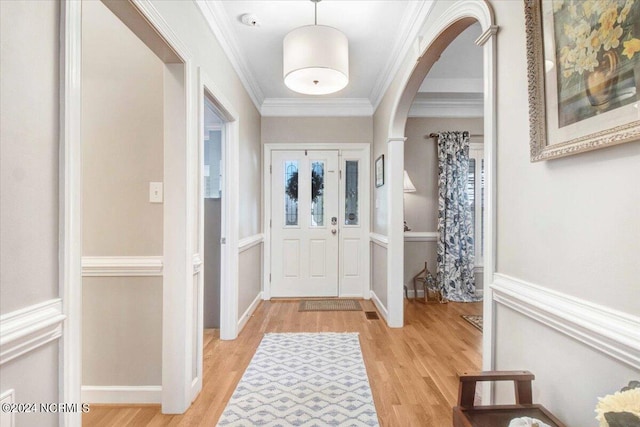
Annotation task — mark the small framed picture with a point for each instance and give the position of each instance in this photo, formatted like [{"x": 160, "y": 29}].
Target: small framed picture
[{"x": 380, "y": 171}]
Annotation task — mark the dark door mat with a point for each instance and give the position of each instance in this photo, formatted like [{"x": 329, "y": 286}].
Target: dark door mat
[
  {"x": 329, "y": 305},
  {"x": 371, "y": 315}
]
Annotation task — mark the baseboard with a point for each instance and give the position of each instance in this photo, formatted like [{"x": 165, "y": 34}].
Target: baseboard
[
  {"x": 247, "y": 314},
  {"x": 411, "y": 293},
  {"x": 381, "y": 308},
  {"x": 610, "y": 331},
  {"x": 122, "y": 394},
  {"x": 29, "y": 328}
]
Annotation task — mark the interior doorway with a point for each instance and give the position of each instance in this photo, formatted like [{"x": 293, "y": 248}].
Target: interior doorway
[{"x": 212, "y": 199}]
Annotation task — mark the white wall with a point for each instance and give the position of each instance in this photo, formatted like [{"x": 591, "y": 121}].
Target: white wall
[
  {"x": 29, "y": 150},
  {"x": 570, "y": 225}
]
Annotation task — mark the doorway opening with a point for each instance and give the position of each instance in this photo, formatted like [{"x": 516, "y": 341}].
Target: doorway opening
[
  {"x": 450, "y": 98},
  {"x": 212, "y": 199},
  {"x": 438, "y": 34}
]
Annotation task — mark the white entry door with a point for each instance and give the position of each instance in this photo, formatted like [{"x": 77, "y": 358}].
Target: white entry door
[{"x": 305, "y": 227}]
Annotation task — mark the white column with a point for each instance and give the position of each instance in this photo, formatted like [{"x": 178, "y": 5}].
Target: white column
[
  {"x": 395, "y": 231},
  {"x": 71, "y": 210},
  {"x": 488, "y": 42}
]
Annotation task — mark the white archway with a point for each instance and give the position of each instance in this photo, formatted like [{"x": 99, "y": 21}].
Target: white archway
[{"x": 436, "y": 35}]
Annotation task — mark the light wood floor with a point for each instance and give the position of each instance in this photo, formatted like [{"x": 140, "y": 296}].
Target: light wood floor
[{"x": 412, "y": 371}]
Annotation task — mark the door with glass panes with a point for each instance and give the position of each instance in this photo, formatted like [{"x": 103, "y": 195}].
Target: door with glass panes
[{"x": 304, "y": 223}]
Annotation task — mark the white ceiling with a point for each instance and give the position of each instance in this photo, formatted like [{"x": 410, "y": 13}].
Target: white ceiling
[{"x": 379, "y": 34}]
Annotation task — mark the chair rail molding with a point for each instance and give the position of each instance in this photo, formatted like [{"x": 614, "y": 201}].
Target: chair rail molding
[
  {"x": 379, "y": 239},
  {"x": 124, "y": 266},
  {"x": 28, "y": 328},
  {"x": 610, "y": 331},
  {"x": 420, "y": 236},
  {"x": 247, "y": 243}
]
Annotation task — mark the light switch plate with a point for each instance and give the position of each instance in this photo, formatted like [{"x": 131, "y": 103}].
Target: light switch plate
[{"x": 155, "y": 192}]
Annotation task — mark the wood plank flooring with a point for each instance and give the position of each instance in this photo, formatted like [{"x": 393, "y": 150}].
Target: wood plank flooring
[{"x": 412, "y": 371}]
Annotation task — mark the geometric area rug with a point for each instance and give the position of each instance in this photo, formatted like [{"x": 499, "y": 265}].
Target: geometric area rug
[
  {"x": 474, "y": 319},
  {"x": 303, "y": 379}
]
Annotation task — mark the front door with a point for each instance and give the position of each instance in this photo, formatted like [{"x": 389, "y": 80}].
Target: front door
[{"x": 304, "y": 215}]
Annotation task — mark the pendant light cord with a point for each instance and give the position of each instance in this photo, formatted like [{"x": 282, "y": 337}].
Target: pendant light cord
[{"x": 315, "y": 7}]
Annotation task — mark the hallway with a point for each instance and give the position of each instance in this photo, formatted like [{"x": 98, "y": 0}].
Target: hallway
[{"x": 412, "y": 371}]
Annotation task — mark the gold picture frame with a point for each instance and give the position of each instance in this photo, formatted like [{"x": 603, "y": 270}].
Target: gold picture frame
[{"x": 583, "y": 67}]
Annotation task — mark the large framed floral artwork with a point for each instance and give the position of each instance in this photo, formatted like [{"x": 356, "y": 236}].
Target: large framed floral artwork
[{"x": 584, "y": 75}]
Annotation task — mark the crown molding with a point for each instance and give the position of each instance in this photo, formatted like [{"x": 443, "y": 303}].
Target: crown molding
[
  {"x": 213, "y": 12},
  {"x": 445, "y": 108},
  {"x": 326, "y": 107},
  {"x": 408, "y": 30}
]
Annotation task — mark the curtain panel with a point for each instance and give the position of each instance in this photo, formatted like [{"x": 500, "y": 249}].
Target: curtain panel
[{"x": 455, "y": 275}]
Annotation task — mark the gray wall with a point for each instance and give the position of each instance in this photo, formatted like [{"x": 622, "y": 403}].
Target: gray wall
[
  {"x": 212, "y": 218},
  {"x": 250, "y": 277},
  {"x": 29, "y": 151},
  {"x": 122, "y": 135},
  {"x": 122, "y": 333},
  {"x": 316, "y": 129},
  {"x": 570, "y": 225}
]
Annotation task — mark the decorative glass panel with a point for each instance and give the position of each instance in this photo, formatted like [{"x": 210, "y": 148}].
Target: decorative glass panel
[
  {"x": 317, "y": 194},
  {"x": 351, "y": 193},
  {"x": 291, "y": 192}
]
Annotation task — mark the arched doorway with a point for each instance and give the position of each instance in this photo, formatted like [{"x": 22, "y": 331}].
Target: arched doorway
[{"x": 438, "y": 33}]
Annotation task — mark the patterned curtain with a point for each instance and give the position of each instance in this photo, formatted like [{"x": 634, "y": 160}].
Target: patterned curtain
[{"x": 455, "y": 276}]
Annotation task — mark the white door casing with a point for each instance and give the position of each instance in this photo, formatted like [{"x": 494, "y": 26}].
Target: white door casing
[{"x": 305, "y": 236}]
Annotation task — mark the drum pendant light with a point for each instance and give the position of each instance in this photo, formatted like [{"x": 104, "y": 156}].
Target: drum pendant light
[{"x": 316, "y": 59}]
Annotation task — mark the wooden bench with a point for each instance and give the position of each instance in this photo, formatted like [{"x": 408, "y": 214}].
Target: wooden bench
[{"x": 467, "y": 414}]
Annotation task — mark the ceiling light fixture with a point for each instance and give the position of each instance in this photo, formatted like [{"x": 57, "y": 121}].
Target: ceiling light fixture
[{"x": 316, "y": 59}]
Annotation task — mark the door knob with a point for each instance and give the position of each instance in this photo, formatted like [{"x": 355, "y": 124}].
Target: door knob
[{"x": 334, "y": 231}]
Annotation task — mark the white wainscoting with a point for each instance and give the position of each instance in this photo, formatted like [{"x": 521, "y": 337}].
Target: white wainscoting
[
  {"x": 612, "y": 332},
  {"x": 123, "y": 266},
  {"x": 249, "y": 242},
  {"x": 122, "y": 394},
  {"x": 242, "y": 321},
  {"x": 29, "y": 328}
]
